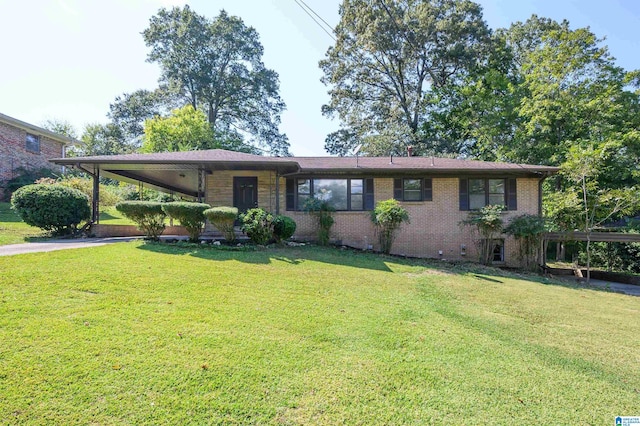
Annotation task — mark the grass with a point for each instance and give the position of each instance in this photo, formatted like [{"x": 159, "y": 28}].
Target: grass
[
  {"x": 13, "y": 230},
  {"x": 137, "y": 333}
]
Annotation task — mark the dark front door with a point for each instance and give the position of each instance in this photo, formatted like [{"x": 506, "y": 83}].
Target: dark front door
[{"x": 245, "y": 193}]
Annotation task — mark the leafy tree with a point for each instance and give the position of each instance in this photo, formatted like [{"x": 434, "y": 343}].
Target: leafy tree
[
  {"x": 184, "y": 130},
  {"x": 61, "y": 127},
  {"x": 583, "y": 165},
  {"x": 388, "y": 59},
  {"x": 130, "y": 110},
  {"x": 528, "y": 231},
  {"x": 101, "y": 139},
  {"x": 216, "y": 64}
]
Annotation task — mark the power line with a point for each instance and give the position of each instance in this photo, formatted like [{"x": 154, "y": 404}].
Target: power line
[{"x": 311, "y": 15}]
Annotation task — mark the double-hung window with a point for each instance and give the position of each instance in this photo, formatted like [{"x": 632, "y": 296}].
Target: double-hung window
[
  {"x": 476, "y": 193},
  {"x": 412, "y": 189}
]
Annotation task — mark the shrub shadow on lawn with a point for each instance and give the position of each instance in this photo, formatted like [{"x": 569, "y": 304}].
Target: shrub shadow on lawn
[{"x": 260, "y": 255}]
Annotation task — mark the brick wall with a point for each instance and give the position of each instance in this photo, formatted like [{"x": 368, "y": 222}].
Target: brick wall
[
  {"x": 434, "y": 226},
  {"x": 13, "y": 153}
]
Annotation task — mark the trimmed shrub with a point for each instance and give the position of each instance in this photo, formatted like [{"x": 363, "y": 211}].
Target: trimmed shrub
[
  {"x": 148, "y": 216},
  {"x": 388, "y": 216},
  {"x": 51, "y": 207},
  {"x": 223, "y": 219},
  {"x": 258, "y": 225},
  {"x": 190, "y": 216},
  {"x": 283, "y": 227}
]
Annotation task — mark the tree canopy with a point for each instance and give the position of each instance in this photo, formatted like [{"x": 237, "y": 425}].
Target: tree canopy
[
  {"x": 216, "y": 65},
  {"x": 389, "y": 57}
]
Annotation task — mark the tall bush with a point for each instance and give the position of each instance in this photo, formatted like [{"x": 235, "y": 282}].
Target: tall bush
[
  {"x": 323, "y": 212},
  {"x": 388, "y": 217},
  {"x": 488, "y": 224},
  {"x": 223, "y": 218},
  {"x": 51, "y": 207},
  {"x": 109, "y": 196},
  {"x": 528, "y": 231},
  {"x": 258, "y": 225},
  {"x": 190, "y": 216},
  {"x": 283, "y": 228},
  {"x": 148, "y": 216}
]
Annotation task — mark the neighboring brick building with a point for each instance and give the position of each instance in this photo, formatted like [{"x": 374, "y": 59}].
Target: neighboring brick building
[
  {"x": 437, "y": 192},
  {"x": 23, "y": 145}
]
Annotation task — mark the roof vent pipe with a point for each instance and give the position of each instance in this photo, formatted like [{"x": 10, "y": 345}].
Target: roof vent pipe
[
  {"x": 391, "y": 159},
  {"x": 409, "y": 151},
  {"x": 432, "y": 162}
]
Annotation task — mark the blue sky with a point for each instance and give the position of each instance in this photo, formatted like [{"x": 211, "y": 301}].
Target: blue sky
[{"x": 68, "y": 59}]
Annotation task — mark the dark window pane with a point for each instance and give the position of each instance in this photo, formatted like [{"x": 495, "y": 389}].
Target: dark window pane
[
  {"x": 356, "y": 202},
  {"x": 476, "y": 186},
  {"x": 496, "y": 199},
  {"x": 32, "y": 143},
  {"x": 412, "y": 184},
  {"x": 496, "y": 186},
  {"x": 412, "y": 195},
  {"x": 356, "y": 186},
  {"x": 476, "y": 201},
  {"x": 304, "y": 186}
]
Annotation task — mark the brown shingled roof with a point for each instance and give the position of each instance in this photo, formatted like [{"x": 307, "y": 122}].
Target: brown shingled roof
[{"x": 308, "y": 165}]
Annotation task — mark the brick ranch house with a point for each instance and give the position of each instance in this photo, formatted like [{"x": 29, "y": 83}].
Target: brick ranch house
[
  {"x": 437, "y": 192},
  {"x": 25, "y": 146}
]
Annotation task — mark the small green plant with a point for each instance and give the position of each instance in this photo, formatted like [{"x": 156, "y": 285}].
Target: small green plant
[
  {"x": 488, "y": 224},
  {"x": 190, "y": 216},
  {"x": 323, "y": 212},
  {"x": 528, "y": 231},
  {"x": 53, "y": 208},
  {"x": 148, "y": 216},
  {"x": 283, "y": 228},
  {"x": 388, "y": 217},
  {"x": 258, "y": 225},
  {"x": 223, "y": 218}
]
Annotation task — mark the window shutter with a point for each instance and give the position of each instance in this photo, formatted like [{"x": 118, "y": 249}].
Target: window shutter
[
  {"x": 290, "y": 194},
  {"x": 368, "y": 194},
  {"x": 397, "y": 189},
  {"x": 428, "y": 190},
  {"x": 464, "y": 194},
  {"x": 512, "y": 194}
]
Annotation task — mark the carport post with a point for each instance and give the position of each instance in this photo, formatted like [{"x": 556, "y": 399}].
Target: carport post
[{"x": 95, "y": 204}]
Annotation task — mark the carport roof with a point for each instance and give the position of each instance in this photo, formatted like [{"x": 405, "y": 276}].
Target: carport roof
[{"x": 179, "y": 171}]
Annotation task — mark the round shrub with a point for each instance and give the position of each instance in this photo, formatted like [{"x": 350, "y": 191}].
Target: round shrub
[
  {"x": 148, "y": 216},
  {"x": 190, "y": 216},
  {"x": 258, "y": 225},
  {"x": 51, "y": 207},
  {"x": 223, "y": 218},
  {"x": 283, "y": 227}
]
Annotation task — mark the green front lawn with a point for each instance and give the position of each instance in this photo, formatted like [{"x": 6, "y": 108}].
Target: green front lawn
[
  {"x": 13, "y": 230},
  {"x": 136, "y": 333}
]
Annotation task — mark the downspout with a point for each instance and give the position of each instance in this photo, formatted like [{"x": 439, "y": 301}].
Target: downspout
[{"x": 277, "y": 192}]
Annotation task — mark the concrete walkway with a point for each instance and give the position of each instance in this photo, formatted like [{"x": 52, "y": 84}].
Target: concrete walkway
[{"x": 51, "y": 245}]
